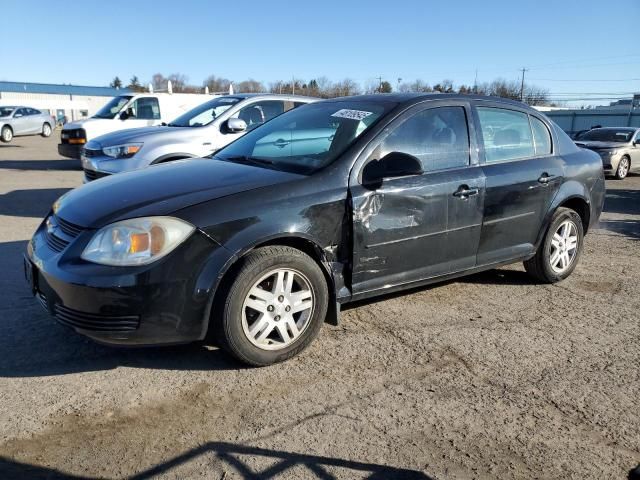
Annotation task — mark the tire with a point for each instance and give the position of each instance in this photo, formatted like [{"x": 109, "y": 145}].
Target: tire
[
  {"x": 6, "y": 134},
  {"x": 623, "y": 168},
  {"x": 255, "y": 335},
  {"x": 545, "y": 266},
  {"x": 46, "y": 130}
]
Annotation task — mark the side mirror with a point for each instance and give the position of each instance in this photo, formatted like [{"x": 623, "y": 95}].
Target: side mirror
[
  {"x": 124, "y": 115},
  {"x": 236, "y": 125},
  {"x": 394, "y": 164}
]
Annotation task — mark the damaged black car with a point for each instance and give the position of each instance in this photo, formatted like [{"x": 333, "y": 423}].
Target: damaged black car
[{"x": 332, "y": 202}]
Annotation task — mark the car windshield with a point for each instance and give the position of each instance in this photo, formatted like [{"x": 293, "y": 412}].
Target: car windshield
[
  {"x": 111, "y": 109},
  {"x": 307, "y": 138},
  {"x": 206, "y": 113},
  {"x": 6, "y": 111},
  {"x": 607, "y": 135}
]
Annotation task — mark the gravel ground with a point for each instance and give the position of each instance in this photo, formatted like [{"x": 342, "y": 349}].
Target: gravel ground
[{"x": 490, "y": 376}]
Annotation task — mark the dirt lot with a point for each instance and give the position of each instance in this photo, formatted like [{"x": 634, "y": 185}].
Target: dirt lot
[{"x": 487, "y": 377}]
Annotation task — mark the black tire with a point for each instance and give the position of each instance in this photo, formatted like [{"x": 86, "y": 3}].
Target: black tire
[
  {"x": 46, "y": 130},
  {"x": 228, "y": 324},
  {"x": 623, "y": 168},
  {"x": 6, "y": 134},
  {"x": 539, "y": 267}
]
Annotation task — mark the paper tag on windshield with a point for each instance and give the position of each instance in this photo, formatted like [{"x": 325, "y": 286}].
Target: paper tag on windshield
[{"x": 352, "y": 114}]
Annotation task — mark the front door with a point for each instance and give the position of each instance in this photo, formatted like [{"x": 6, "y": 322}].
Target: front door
[
  {"x": 523, "y": 176},
  {"x": 20, "y": 122},
  {"x": 415, "y": 227}
]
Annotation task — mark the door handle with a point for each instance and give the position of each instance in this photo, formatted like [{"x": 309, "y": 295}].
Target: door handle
[
  {"x": 464, "y": 192},
  {"x": 281, "y": 143},
  {"x": 545, "y": 178}
]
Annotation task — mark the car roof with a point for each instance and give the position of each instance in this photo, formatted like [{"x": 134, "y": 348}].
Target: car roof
[
  {"x": 411, "y": 98},
  {"x": 268, "y": 96}
]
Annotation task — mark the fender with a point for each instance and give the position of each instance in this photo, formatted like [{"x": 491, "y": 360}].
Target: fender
[
  {"x": 221, "y": 262},
  {"x": 567, "y": 191}
]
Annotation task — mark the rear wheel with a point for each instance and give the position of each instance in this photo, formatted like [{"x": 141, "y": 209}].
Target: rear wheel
[
  {"x": 623, "y": 168},
  {"x": 46, "y": 130},
  {"x": 274, "y": 308},
  {"x": 558, "y": 255},
  {"x": 6, "y": 134}
]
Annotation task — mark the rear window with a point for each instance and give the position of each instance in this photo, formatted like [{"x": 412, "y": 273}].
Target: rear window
[
  {"x": 506, "y": 134},
  {"x": 541, "y": 137},
  {"x": 607, "y": 135}
]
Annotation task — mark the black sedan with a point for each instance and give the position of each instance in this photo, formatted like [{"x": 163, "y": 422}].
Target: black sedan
[{"x": 329, "y": 203}]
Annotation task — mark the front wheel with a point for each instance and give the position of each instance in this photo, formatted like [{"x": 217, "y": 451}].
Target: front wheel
[
  {"x": 274, "y": 308},
  {"x": 46, "y": 130},
  {"x": 623, "y": 168},
  {"x": 558, "y": 254},
  {"x": 6, "y": 135}
]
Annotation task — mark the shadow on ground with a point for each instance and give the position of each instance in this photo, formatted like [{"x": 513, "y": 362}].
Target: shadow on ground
[
  {"x": 622, "y": 201},
  {"x": 30, "y": 203},
  {"x": 233, "y": 458},
  {"x": 40, "y": 164}
]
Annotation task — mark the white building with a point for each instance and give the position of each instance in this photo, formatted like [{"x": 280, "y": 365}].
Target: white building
[{"x": 74, "y": 102}]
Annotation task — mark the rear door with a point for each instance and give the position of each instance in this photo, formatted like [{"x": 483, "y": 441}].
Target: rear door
[
  {"x": 415, "y": 227},
  {"x": 522, "y": 177}
]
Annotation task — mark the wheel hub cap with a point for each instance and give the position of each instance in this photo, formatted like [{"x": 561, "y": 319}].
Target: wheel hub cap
[
  {"x": 564, "y": 246},
  {"x": 277, "y": 309}
]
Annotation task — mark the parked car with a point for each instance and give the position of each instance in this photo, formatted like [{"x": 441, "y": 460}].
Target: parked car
[
  {"x": 197, "y": 133},
  {"x": 18, "y": 121},
  {"x": 132, "y": 110},
  {"x": 619, "y": 149},
  {"x": 260, "y": 244}
]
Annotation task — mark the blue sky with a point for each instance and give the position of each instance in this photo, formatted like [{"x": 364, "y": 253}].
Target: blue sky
[{"x": 569, "y": 46}]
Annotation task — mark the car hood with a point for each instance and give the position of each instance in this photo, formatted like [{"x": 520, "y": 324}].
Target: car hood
[
  {"x": 162, "y": 190},
  {"x": 132, "y": 135},
  {"x": 600, "y": 145}
]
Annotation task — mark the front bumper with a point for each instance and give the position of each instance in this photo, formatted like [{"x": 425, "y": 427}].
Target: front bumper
[
  {"x": 166, "y": 302},
  {"x": 70, "y": 151}
]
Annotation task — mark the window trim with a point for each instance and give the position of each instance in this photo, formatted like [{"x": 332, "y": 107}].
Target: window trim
[
  {"x": 514, "y": 108},
  {"x": 365, "y": 155}
]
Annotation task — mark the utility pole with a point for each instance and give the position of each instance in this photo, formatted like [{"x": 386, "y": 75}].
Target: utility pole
[
  {"x": 475, "y": 83},
  {"x": 380, "y": 85},
  {"x": 399, "y": 82},
  {"x": 522, "y": 84},
  {"x": 293, "y": 85}
]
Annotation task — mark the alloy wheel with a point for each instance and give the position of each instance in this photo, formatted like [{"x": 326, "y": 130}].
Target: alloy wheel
[
  {"x": 623, "y": 168},
  {"x": 277, "y": 309},
  {"x": 564, "y": 247}
]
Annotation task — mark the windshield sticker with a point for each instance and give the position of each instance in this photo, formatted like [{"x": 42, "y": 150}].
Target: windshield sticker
[{"x": 352, "y": 114}]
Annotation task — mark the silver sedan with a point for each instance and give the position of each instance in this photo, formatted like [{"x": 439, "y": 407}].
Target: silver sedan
[{"x": 17, "y": 121}]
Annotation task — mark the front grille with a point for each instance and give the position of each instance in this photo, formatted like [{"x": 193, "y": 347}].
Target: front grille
[
  {"x": 55, "y": 243},
  {"x": 88, "y": 152},
  {"x": 66, "y": 135},
  {"x": 61, "y": 233},
  {"x": 93, "y": 175},
  {"x": 91, "y": 321},
  {"x": 96, "y": 322},
  {"x": 69, "y": 228}
]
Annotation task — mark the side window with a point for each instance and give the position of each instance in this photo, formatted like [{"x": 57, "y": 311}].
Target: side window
[
  {"x": 438, "y": 137},
  {"x": 21, "y": 112},
  {"x": 541, "y": 136},
  {"x": 257, "y": 113},
  {"x": 506, "y": 133},
  {"x": 146, "y": 108}
]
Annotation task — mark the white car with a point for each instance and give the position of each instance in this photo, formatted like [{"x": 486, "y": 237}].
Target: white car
[
  {"x": 197, "y": 133},
  {"x": 18, "y": 121},
  {"x": 127, "y": 111}
]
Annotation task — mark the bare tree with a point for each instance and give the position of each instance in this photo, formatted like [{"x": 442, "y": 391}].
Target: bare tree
[
  {"x": 250, "y": 86},
  {"x": 179, "y": 82},
  {"x": 217, "y": 84}
]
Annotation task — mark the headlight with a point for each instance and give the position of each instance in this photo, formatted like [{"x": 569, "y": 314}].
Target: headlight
[
  {"x": 122, "y": 151},
  {"x": 138, "y": 241}
]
